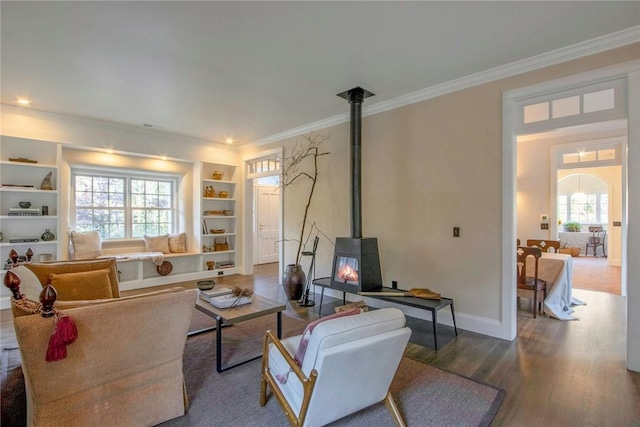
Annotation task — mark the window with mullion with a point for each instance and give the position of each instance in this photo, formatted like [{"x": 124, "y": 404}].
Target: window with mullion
[
  {"x": 123, "y": 207},
  {"x": 151, "y": 207}
]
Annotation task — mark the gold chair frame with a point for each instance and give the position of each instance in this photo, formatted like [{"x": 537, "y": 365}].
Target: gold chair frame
[{"x": 308, "y": 384}]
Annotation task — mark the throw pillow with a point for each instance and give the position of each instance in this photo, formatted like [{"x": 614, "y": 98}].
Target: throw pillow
[
  {"x": 178, "y": 243},
  {"x": 306, "y": 335},
  {"x": 157, "y": 243},
  {"x": 85, "y": 285},
  {"x": 30, "y": 286},
  {"x": 86, "y": 245}
]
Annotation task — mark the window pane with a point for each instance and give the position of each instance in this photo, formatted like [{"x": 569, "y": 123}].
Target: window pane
[
  {"x": 599, "y": 101},
  {"x": 84, "y": 183},
  {"x": 100, "y": 199},
  {"x": 570, "y": 158},
  {"x": 151, "y": 187},
  {"x": 588, "y": 156},
  {"x": 116, "y": 200},
  {"x": 536, "y": 112},
  {"x": 116, "y": 185},
  {"x": 137, "y": 186},
  {"x": 566, "y": 107},
  {"x": 604, "y": 208},
  {"x": 151, "y": 201},
  {"x": 164, "y": 202},
  {"x": 562, "y": 209},
  {"x": 137, "y": 201},
  {"x": 83, "y": 198},
  {"x": 164, "y": 188},
  {"x": 609, "y": 154}
]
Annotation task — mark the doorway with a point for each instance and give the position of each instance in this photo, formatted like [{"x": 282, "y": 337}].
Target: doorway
[
  {"x": 574, "y": 175},
  {"x": 627, "y": 78},
  {"x": 266, "y": 201}
]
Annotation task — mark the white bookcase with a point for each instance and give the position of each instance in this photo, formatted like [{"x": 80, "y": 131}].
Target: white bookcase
[
  {"x": 21, "y": 182},
  {"x": 218, "y": 214}
]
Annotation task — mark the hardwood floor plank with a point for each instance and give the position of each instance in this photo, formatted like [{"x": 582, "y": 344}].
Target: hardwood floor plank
[{"x": 554, "y": 373}]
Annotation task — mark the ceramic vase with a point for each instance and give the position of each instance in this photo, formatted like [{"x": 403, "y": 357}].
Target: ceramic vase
[
  {"x": 293, "y": 281},
  {"x": 47, "y": 236}
]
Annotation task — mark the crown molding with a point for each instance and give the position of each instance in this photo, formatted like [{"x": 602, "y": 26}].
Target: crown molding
[{"x": 578, "y": 50}]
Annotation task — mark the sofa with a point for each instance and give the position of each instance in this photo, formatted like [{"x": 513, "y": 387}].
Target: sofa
[{"x": 124, "y": 368}]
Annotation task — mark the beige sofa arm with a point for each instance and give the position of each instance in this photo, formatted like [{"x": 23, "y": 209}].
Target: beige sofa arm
[{"x": 124, "y": 368}]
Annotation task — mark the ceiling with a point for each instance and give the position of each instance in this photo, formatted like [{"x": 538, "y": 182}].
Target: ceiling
[{"x": 250, "y": 70}]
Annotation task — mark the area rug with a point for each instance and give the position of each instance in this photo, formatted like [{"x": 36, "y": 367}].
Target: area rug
[{"x": 426, "y": 396}]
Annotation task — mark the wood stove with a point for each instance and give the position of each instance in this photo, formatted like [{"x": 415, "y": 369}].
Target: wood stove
[{"x": 356, "y": 263}]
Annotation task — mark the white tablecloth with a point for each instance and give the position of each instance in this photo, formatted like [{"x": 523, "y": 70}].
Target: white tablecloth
[{"x": 557, "y": 271}]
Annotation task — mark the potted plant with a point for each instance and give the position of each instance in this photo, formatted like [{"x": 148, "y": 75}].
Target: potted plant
[
  {"x": 295, "y": 171},
  {"x": 572, "y": 226}
]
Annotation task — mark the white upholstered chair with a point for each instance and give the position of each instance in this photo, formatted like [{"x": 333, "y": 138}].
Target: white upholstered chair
[{"x": 348, "y": 365}]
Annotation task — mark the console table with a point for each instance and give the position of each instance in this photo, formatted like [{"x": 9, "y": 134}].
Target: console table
[{"x": 425, "y": 304}]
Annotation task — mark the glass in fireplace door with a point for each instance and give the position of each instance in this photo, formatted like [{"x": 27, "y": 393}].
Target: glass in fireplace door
[{"x": 346, "y": 270}]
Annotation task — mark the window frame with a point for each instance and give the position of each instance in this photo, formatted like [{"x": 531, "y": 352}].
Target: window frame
[{"x": 128, "y": 176}]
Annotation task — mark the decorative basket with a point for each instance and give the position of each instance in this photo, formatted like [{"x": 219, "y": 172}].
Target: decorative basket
[
  {"x": 220, "y": 244},
  {"x": 574, "y": 252}
]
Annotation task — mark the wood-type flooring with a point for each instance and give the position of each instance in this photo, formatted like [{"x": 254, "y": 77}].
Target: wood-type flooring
[{"x": 554, "y": 373}]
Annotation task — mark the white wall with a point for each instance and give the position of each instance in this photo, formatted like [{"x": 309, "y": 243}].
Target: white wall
[{"x": 428, "y": 167}]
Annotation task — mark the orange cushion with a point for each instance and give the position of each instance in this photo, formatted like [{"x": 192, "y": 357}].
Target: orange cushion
[
  {"x": 44, "y": 269},
  {"x": 85, "y": 285}
]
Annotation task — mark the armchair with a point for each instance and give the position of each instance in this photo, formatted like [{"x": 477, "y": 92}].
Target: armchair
[
  {"x": 124, "y": 368},
  {"x": 348, "y": 365}
]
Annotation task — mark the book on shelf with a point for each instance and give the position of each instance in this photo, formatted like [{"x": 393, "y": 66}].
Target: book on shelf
[
  {"x": 225, "y": 264},
  {"x": 19, "y": 186},
  {"x": 23, "y": 239},
  {"x": 14, "y": 213},
  {"x": 212, "y": 293},
  {"x": 24, "y": 210}
]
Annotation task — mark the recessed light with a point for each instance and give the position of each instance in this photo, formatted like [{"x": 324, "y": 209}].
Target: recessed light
[
  {"x": 109, "y": 151},
  {"x": 229, "y": 140},
  {"x": 24, "y": 102},
  {"x": 163, "y": 158}
]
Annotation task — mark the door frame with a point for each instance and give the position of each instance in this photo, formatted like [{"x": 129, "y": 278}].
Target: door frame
[
  {"x": 248, "y": 209},
  {"x": 630, "y": 71}
]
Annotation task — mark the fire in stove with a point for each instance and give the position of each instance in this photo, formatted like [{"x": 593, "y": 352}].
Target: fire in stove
[{"x": 347, "y": 270}]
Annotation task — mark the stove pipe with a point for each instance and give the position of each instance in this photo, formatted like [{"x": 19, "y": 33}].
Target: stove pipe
[{"x": 355, "y": 97}]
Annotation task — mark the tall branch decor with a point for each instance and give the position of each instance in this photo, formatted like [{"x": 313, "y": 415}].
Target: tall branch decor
[{"x": 294, "y": 170}]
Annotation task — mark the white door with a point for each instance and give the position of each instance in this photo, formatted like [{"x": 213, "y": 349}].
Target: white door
[{"x": 267, "y": 202}]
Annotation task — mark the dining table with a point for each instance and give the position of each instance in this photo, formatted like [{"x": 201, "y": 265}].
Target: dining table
[{"x": 557, "y": 270}]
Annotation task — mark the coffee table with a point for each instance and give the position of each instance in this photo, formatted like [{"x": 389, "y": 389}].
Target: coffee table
[{"x": 258, "y": 307}]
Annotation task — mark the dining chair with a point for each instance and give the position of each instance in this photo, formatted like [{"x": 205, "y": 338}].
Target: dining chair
[
  {"x": 528, "y": 285},
  {"x": 597, "y": 238},
  {"x": 544, "y": 245}
]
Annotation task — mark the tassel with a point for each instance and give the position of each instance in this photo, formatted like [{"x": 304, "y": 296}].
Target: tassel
[
  {"x": 67, "y": 330},
  {"x": 64, "y": 333},
  {"x": 56, "y": 350}
]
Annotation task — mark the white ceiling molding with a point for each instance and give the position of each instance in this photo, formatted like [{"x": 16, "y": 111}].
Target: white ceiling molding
[{"x": 589, "y": 47}]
